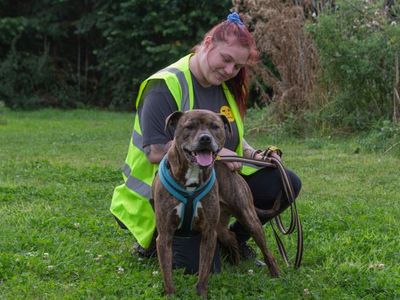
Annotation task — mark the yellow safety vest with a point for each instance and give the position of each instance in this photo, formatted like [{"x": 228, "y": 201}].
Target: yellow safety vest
[{"x": 130, "y": 202}]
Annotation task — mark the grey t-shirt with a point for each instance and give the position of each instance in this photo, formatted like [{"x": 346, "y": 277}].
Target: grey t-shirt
[{"x": 158, "y": 103}]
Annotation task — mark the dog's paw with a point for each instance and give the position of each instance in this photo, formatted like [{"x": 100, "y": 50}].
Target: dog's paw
[
  {"x": 274, "y": 272},
  {"x": 273, "y": 268}
]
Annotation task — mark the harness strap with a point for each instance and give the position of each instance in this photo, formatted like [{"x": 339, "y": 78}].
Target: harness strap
[
  {"x": 190, "y": 199},
  {"x": 288, "y": 189}
]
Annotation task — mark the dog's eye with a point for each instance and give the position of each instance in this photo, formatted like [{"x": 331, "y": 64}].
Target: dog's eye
[
  {"x": 189, "y": 127},
  {"x": 214, "y": 126}
]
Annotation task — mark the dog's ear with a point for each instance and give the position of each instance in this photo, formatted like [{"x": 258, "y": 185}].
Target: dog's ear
[
  {"x": 227, "y": 125},
  {"x": 172, "y": 120}
]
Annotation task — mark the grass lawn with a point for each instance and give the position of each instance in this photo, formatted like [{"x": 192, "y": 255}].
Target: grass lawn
[{"x": 58, "y": 240}]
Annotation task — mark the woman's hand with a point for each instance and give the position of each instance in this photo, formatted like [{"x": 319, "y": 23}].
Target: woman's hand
[
  {"x": 259, "y": 156},
  {"x": 232, "y": 165},
  {"x": 276, "y": 156}
]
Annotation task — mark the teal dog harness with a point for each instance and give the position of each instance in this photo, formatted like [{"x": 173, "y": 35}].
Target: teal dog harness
[{"x": 190, "y": 199}]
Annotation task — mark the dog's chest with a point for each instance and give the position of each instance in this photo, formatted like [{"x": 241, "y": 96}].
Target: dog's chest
[
  {"x": 192, "y": 176},
  {"x": 180, "y": 209},
  {"x": 193, "y": 180}
]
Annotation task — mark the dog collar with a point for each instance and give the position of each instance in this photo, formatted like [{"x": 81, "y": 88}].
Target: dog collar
[{"x": 190, "y": 199}]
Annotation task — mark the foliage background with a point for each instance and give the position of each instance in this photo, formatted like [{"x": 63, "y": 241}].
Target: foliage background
[
  {"x": 70, "y": 53},
  {"x": 328, "y": 67},
  {"x": 358, "y": 46}
]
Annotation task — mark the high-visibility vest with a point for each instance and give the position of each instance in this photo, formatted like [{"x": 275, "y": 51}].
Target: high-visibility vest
[{"x": 130, "y": 202}]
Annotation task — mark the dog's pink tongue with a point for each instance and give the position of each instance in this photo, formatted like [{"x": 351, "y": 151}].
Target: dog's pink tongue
[{"x": 204, "y": 159}]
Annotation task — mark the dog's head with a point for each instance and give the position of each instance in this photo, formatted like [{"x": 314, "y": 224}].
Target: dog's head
[{"x": 198, "y": 134}]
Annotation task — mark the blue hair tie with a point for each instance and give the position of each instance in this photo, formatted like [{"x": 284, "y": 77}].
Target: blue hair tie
[{"x": 235, "y": 18}]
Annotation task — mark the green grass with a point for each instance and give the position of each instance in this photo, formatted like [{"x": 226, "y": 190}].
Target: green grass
[{"x": 58, "y": 240}]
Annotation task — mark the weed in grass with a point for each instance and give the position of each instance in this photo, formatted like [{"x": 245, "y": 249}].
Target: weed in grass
[{"x": 384, "y": 137}]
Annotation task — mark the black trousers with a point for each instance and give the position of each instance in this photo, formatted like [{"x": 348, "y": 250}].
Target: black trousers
[
  {"x": 266, "y": 186},
  {"x": 186, "y": 254}
]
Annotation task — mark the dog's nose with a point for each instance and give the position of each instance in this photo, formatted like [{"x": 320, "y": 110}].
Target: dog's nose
[{"x": 205, "y": 139}]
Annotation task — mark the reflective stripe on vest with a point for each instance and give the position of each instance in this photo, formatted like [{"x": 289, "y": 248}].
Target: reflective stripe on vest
[
  {"x": 185, "y": 100},
  {"x": 137, "y": 139},
  {"x": 135, "y": 184}
]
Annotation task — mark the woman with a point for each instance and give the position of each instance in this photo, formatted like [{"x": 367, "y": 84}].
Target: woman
[{"x": 214, "y": 77}]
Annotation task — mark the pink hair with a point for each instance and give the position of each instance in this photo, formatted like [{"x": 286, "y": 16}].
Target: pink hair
[{"x": 238, "y": 85}]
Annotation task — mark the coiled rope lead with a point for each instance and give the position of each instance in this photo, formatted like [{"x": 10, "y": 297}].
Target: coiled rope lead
[{"x": 295, "y": 218}]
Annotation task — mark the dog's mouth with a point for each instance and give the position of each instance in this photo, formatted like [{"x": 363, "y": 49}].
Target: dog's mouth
[{"x": 203, "y": 158}]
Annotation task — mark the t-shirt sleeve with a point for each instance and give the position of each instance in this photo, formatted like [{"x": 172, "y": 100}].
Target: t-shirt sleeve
[{"x": 158, "y": 103}]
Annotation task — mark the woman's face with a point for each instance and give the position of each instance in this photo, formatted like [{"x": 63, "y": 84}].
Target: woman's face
[{"x": 222, "y": 61}]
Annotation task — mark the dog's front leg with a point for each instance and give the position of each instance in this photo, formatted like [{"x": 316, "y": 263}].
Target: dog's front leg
[
  {"x": 164, "y": 252},
  {"x": 207, "y": 251}
]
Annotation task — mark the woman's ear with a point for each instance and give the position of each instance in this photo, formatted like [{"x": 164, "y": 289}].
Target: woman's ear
[{"x": 207, "y": 41}]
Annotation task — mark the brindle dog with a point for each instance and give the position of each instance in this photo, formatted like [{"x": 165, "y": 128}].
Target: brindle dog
[{"x": 198, "y": 137}]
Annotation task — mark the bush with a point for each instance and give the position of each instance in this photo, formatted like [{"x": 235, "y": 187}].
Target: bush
[
  {"x": 73, "y": 53},
  {"x": 37, "y": 52},
  {"x": 286, "y": 72},
  {"x": 27, "y": 81},
  {"x": 143, "y": 36},
  {"x": 357, "y": 46}
]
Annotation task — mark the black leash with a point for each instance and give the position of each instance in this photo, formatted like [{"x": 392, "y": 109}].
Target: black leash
[{"x": 295, "y": 218}]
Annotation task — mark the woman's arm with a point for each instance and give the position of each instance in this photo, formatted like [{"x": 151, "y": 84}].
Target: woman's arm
[
  {"x": 248, "y": 151},
  {"x": 156, "y": 152},
  {"x": 158, "y": 104}
]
